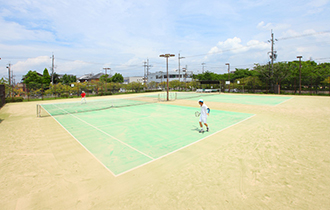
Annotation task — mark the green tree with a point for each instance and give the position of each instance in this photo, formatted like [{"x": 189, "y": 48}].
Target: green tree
[
  {"x": 105, "y": 78},
  {"x": 68, "y": 79},
  {"x": 56, "y": 78},
  {"x": 152, "y": 85},
  {"x": 46, "y": 77},
  {"x": 3, "y": 81},
  {"x": 135, "y": 86},
  {"x": 32, "y": 80},
  {"x": 174, "y": 84},
  {"x": 117, "y": 78}
]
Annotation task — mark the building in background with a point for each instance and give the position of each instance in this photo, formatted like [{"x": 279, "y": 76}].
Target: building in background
[
  {"x": 161, "y": 76},
  {"x": 133, "y": 79},
  {"x": 90, "y": 77}
]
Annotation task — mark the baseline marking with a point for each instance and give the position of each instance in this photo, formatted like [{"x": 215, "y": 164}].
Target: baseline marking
[
  {"x": 181, "y": 148},
  {"x": 109, "y": 135}
]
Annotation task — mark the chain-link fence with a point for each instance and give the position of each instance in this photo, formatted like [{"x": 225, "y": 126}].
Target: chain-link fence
[
  {"x": 309, "y": 85},
  {"x": 37, "y": 91},
  {"x": 2, "y": 95}
]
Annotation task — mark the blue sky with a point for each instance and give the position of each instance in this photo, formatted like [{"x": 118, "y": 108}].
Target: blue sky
[{"x": 87, "y": 36}]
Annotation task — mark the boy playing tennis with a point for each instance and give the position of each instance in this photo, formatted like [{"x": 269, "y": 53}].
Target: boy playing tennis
[
  {"x": 204, "y": 113},
  {"x": 83, "y": 97}
]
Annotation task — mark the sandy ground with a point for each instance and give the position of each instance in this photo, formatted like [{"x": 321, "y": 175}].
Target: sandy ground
[{"x": 278, "y": 159}]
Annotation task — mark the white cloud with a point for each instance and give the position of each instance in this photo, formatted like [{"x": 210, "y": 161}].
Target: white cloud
[
  {"x": 12, "y": 31},
  {"x": 122, "y": 34},
  {"x": 269, "y": 26},
  {"x": 234, "y": 46},
  {"x": 316, "y": 6},
  {"x": 22, "y": 67}
]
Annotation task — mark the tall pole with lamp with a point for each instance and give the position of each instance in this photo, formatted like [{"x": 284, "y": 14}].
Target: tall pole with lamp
[{"x": 167, "y": 56}]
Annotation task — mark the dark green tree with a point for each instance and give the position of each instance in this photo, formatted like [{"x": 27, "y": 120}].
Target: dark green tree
[
  {"x": 105, "y": 78},
  {"x": 56, "y": 78},
  {"x": 32, "y": 80},
  {"x": 68, "y": 79},
  {"x": 117, "y": 78},
  {"x": 46, "y": 77}
]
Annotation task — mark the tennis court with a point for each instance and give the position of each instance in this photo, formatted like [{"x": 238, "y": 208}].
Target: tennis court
[
  {"x": 264, "y": 157},
  {"x": 131, "y": 136}
]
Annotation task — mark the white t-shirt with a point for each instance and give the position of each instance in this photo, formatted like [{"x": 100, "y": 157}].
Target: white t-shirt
[{"x": 204, "y": 110}]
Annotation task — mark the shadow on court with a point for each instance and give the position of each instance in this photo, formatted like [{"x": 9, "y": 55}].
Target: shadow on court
[{"x": 1, "y": 120}]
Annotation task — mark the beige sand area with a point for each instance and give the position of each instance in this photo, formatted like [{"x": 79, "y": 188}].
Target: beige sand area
[{"x": 278, "y": 159}]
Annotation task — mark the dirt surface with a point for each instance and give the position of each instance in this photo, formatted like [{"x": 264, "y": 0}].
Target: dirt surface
[{"x": 278, "y": 159}]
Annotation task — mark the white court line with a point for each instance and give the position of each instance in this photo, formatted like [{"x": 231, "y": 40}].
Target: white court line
[
  {"x": 284, "y": 101},
  {"x": 181, "y": 147},
  {"x": 110, "y": 135},
  {"x": 153, "y": 159},
  {"x": 82, "y": 145}
]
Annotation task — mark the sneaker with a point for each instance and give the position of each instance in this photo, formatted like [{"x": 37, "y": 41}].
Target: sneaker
[
  {"x": 207, "y": 129},
  {"x": 201, "y": 131}
]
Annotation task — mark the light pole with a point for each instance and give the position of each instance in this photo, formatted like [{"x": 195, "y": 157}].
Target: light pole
[
  {"x": 167, "y": 56},
  {"x": 228, "y": 77},
  {"x": 299, "y": 56},
  {"x": 106, "y": 70}
]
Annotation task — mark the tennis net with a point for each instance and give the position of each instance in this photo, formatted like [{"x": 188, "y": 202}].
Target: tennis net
[
  {"x": 91, "y": 105},
  {"x": 193, "y": 95},
  {"x": 172, "y": 96}
]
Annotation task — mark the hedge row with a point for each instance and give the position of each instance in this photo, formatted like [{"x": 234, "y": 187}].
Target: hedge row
[{"x": 14, "y": 99}]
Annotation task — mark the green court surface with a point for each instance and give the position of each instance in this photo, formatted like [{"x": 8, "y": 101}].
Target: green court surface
[
  {"x": 237, "y": 98},
  {"x": 125, "y": 138}
]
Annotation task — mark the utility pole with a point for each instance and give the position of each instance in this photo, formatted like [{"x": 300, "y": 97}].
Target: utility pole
[
  {"x": 228, "y": 64},
  {"x": 179, "y": 58},
  {"x": 145, "y": 74},
  {"x": 52, "y": 68},
  {"x": 203, "y": 68},
  {"x": 272, "y": 56},
  {"x": 12, "y": 77},
  {"x": 146, "y": 70},
  {"x": 9, "y": 77}
]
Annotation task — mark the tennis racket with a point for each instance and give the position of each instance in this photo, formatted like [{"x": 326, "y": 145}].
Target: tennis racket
[{"x": 197, "y": 113}]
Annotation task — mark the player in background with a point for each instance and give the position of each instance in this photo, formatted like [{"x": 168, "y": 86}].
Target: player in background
[
  {"x": 83, "y": 97},
  {"x": 203, "y": 117}
]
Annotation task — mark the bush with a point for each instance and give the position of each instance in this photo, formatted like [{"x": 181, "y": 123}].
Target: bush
[
  {"x": 65, "y": 95},
  {"x": 147, "y": 91},
  {"x": 14, "y": 99}
]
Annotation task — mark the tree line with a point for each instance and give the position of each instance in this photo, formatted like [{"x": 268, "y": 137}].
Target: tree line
[{"x": 285, "y": 75}]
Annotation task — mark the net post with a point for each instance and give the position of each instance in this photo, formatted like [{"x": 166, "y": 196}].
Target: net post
[{"x": 38, "y": 115}]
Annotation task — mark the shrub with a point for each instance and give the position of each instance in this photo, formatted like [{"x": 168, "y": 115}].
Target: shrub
[
  {"x": 65, "y": 95},
  {"x": 14, "y": 99}
]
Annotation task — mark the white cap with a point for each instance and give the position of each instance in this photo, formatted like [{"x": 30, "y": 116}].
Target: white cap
[{"x": 201, "y": 100}]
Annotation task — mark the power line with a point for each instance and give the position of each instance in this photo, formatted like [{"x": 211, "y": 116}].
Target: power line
[{"x": 303, "y": 35}]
